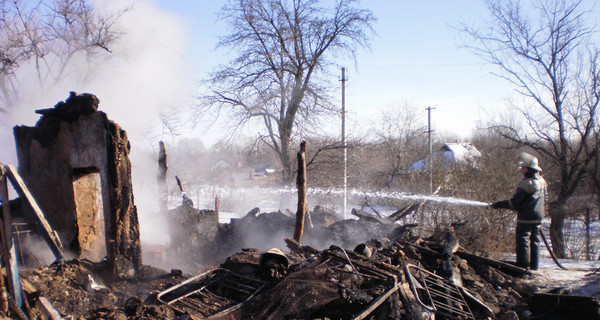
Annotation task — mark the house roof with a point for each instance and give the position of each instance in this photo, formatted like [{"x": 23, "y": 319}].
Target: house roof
[
  {"x": 450, "y": 154},
  {"x": 461, "y": 152}
]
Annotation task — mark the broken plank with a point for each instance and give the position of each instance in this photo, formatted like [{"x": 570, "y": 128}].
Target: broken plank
[
  {"x": 369, "y": 216},
  {"x": 491, "y": 262},
  {"x": 48, "y": 310},
  {"x": 9, "y": 253},
  {"x": 40, "y": 220},
  {"x": 377, "y": 302}
]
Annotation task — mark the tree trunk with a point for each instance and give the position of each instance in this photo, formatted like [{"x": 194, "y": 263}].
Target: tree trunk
[
  {"x": 588, "y": 234},
  {"x": 557, "y": 214},
  {"x": 286, "y": 161}
]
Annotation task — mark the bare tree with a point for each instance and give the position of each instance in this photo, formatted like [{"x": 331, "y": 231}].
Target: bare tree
[
  {"x": 282, "y": 48},
  {"x": 401, "y": 136},
  {"x": 553, "y": 64},
  {"x": 48, "y": 35}
]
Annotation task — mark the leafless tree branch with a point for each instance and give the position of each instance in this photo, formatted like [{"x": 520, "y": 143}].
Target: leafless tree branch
[{"x": 282, "y": 49}]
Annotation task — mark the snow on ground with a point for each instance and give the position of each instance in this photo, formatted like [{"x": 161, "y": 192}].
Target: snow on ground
[{"x": 582, "y": 278}]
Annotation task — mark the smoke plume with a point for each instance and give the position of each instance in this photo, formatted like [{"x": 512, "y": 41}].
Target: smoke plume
[{"x": 146, "y": 75}]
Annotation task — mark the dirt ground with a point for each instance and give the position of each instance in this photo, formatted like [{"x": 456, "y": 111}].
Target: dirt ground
[{"x": 80, "y": 289}]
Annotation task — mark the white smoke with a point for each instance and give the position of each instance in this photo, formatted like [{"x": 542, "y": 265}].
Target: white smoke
[{"x": 146, "y": 75}]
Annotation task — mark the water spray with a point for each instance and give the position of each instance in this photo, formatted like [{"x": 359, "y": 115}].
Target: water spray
[
  {"x": 339, "y": 192},
  {"x": 399, "y": 196}
]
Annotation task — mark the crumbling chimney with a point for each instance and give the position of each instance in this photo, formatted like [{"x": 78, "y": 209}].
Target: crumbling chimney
[{"x": 76, "y": 163}]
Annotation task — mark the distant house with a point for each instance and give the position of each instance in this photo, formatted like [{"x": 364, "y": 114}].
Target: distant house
[
  {"x": 448, "y": 156},
  {"x": 265, "y": 170},
  {"x": 221, "y": 165}
]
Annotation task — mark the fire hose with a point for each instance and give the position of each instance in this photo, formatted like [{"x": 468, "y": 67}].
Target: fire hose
[
  {"x": 551, "y": 252},
  {"x": 556, "y": 260}
]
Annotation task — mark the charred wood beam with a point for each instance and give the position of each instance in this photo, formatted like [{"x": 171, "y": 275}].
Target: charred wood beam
[
  {"x": 5, "y": 245},
  {"x": 403, "y": 212},
  {"x": 471, "y": 257},
  {"x": 298, "y": 248},
  {"x": 37, "y": 215},
  {"x": 370, "y": 217},
  {"x": 301, "y": 185},
  {"x": 162, "y": 178},
  {"x": 494, "y": 263}
]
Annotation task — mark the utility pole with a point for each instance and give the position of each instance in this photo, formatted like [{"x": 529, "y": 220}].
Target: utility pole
[
  {"x": 344, "y": 79},
  {"x": 429, "y": 131}
]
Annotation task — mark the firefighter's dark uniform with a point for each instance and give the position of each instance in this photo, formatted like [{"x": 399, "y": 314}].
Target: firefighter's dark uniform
[{"x": 528, "y": 201}]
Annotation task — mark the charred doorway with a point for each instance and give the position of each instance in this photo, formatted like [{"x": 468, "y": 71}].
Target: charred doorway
[{"x": 89, "y": 211}]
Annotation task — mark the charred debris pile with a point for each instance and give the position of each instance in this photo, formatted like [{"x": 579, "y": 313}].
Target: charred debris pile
[
  {"x": 400, "y": 278},
  {"x": 376, "y": 269}
]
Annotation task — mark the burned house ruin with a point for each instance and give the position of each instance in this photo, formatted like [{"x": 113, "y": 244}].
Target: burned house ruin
[{"x": 75, "y": 163}]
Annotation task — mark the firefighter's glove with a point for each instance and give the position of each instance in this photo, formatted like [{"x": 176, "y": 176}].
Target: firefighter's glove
[{"x": 496, "y": 205}]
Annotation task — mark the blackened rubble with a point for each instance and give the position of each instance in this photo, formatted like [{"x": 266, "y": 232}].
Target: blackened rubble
[
  {"x": 387, "y": 277},
  {"x": 198, "y": 238},
  {"x": 342, "y": 284},
  {"x": 332, "y": 283}
]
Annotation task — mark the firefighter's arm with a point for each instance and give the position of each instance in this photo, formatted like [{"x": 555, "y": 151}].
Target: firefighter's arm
[
  {"x": 501, "y": 204},
  {"x": 513, "y": 202}
]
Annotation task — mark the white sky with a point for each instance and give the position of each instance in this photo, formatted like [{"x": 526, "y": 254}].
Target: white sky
[{"x": 168, "y": 46}]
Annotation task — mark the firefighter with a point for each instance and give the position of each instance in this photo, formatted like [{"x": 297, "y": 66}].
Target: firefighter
[{"x": 528, "y": 201}]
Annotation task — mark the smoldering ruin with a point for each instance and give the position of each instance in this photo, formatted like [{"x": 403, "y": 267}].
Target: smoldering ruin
[{"x": 75, "y": 192}]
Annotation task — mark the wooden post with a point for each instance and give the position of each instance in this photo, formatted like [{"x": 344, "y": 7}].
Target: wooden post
[
  {"x": 217, "y": 206},
  {"x": 161, "y": 179},
  {"x": 588, "y": 234},
  {"x": 5, "y": 205},
  {"x": 301, "y": 185},
  {"x": 9, "y": 254}
]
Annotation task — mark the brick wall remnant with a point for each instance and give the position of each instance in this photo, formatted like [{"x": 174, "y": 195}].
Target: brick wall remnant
[{"x": 76, "y": 163}]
